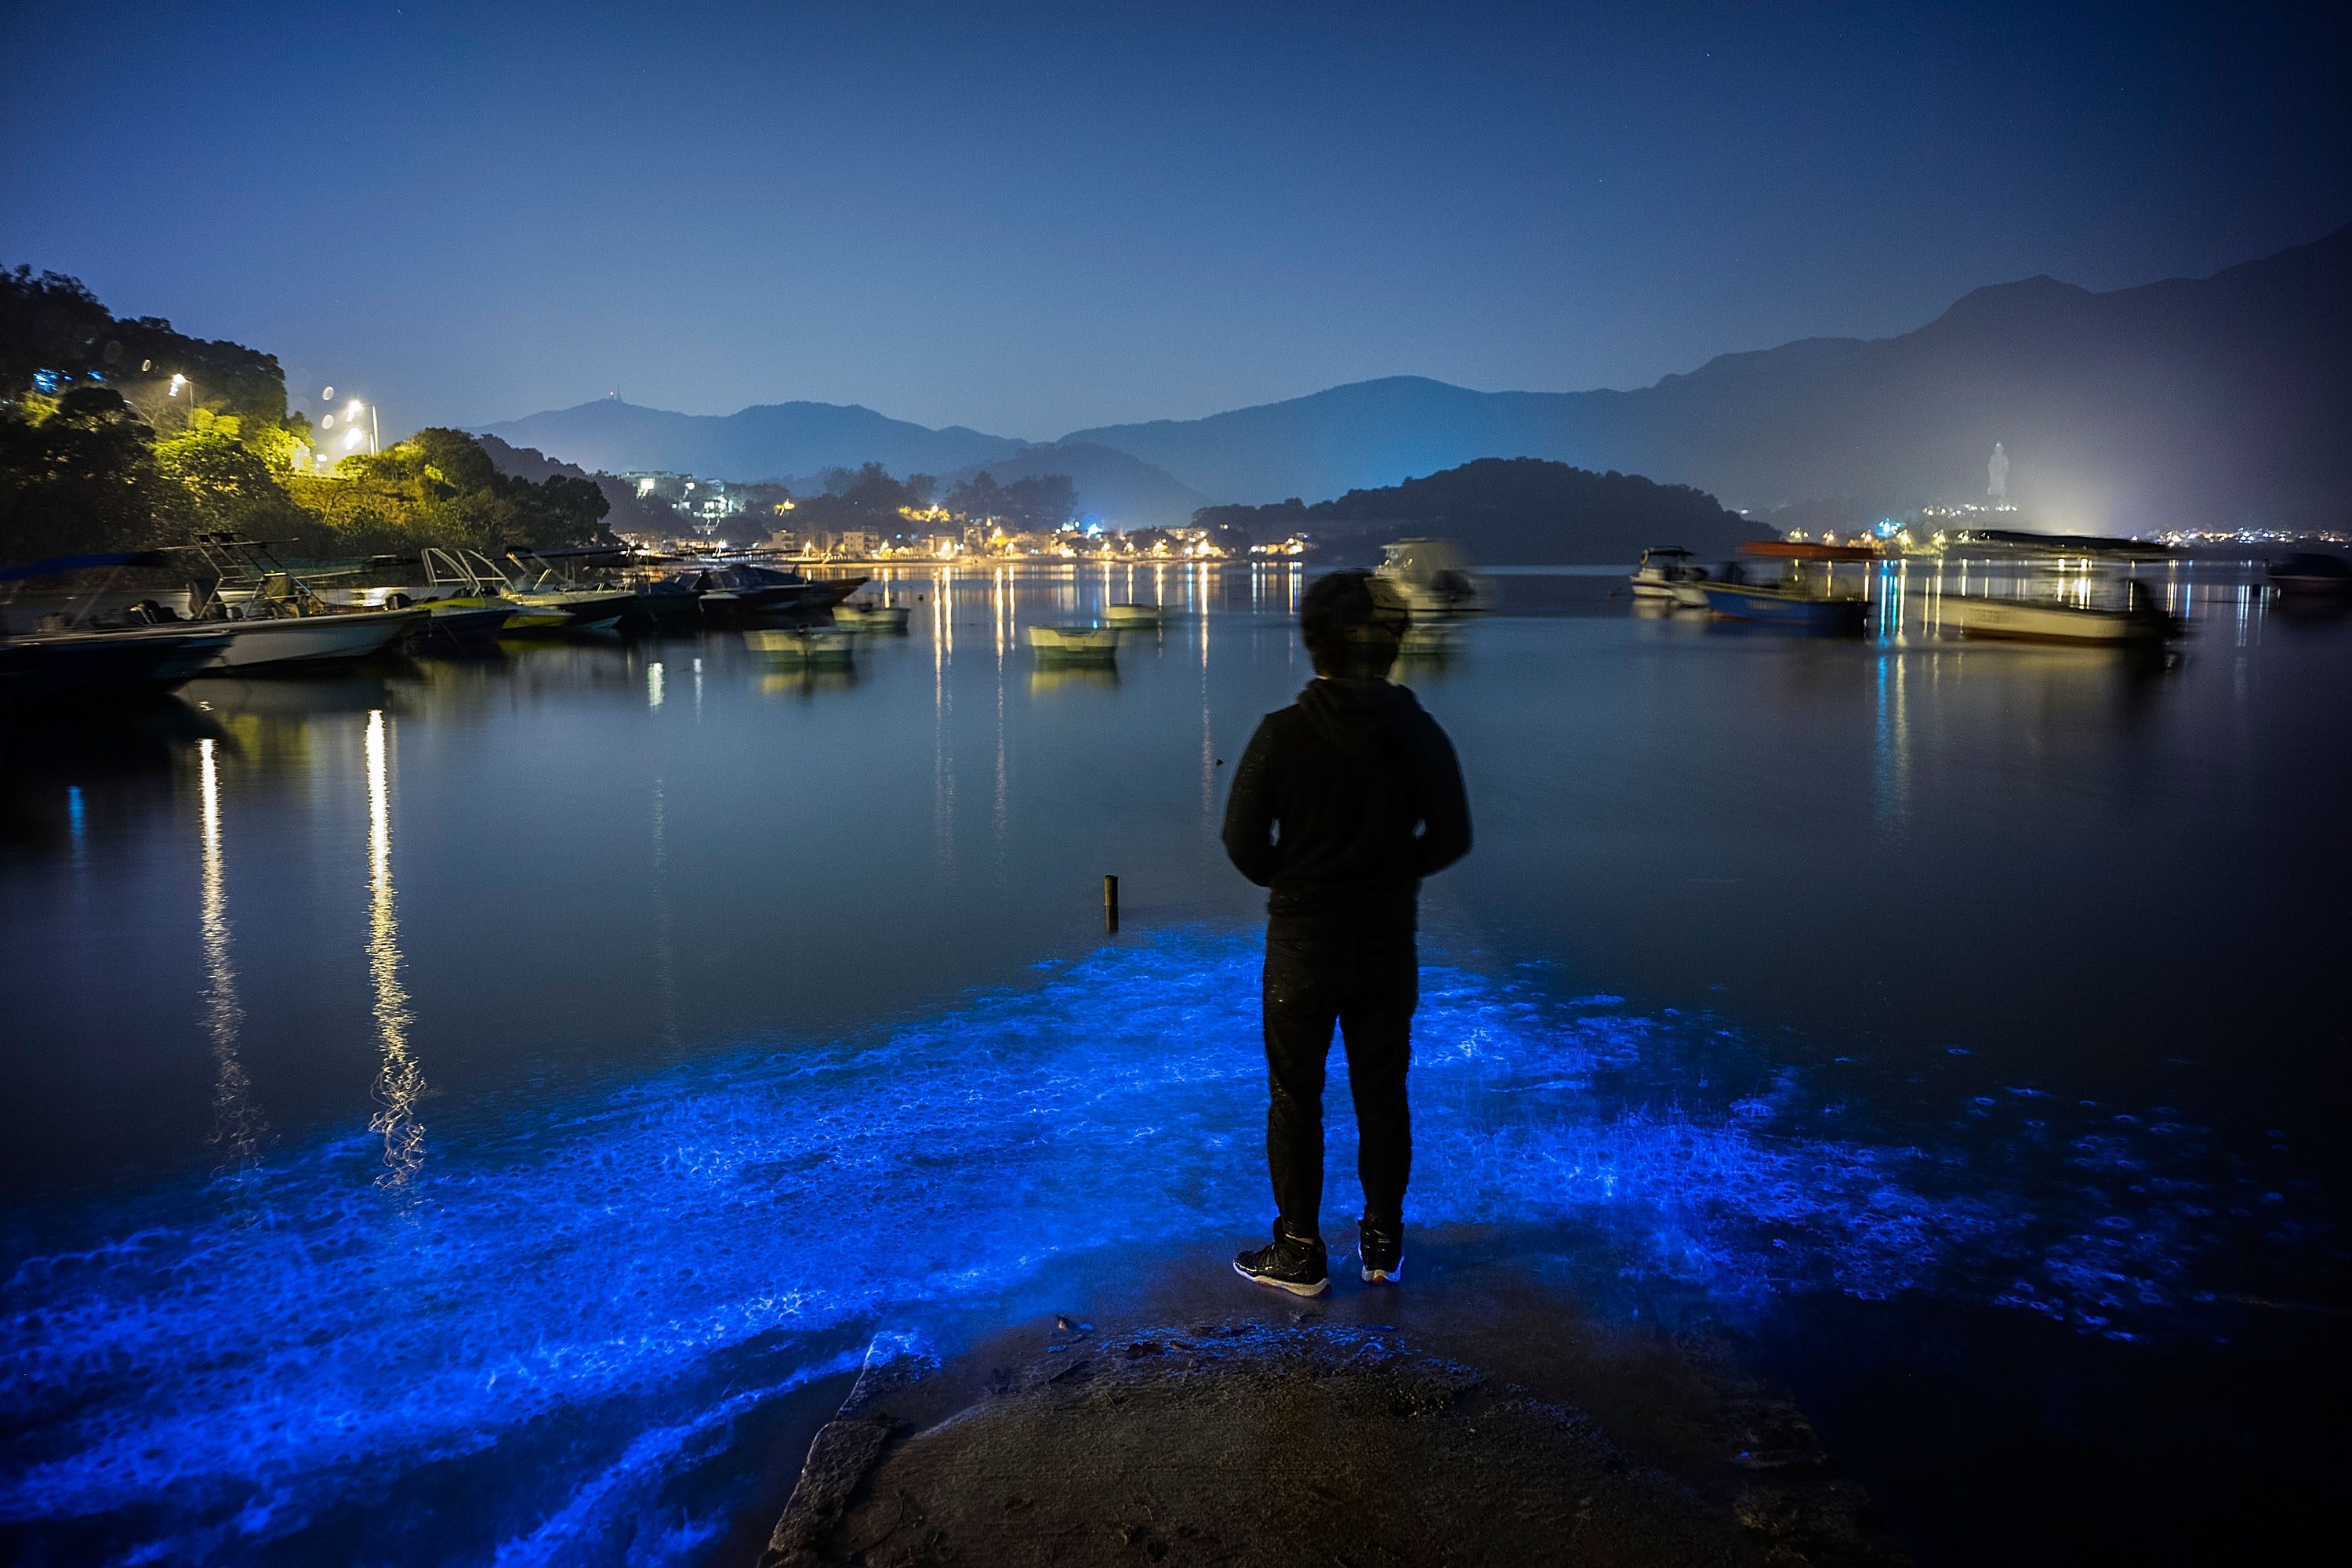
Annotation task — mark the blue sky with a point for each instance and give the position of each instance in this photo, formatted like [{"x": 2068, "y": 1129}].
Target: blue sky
[{"x": 1032, "y": 219}]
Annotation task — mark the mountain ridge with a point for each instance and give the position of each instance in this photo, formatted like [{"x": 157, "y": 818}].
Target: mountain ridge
[{"x": 2203, "y": 401}]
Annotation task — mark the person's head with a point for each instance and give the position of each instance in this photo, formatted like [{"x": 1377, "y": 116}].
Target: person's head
[{"x": 1351, "y": 623}]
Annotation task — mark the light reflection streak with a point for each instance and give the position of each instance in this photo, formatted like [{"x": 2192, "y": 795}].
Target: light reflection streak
[
  {"x": 237, "y": 1125},
  {"x": 400, "y": 1081}
]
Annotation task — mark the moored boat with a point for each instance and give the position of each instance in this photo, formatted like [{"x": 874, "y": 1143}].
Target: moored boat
[
  {"x": 2310, "y": 574},
  {"x": 1132, "y": 616},
  {"x": 103, "y": 666},
  {"x": 1430, "y": 577},
  {"x": 812, "y": 646},
  {"x": 1072, "y": 644},
  {"x": 869, "y": 615},
  {"x": 2138, "y": 621},
  {"x": 1797, "y": 608},
  {"x": 1661, "y": 570}
]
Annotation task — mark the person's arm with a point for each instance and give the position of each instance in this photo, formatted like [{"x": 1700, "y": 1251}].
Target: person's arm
[
  {"x": 1250, "y": 809},
  {"x": 1444, "y": 804}
]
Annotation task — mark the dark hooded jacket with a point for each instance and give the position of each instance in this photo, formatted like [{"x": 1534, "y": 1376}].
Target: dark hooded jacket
[{"x": 1343, "y": 802}]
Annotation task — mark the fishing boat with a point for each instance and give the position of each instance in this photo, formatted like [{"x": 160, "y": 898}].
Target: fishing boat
[
  {"x": 812, "y": 646},
  {"x": 1072, "y": 645},
  {"x": 872, "y": 616},
  {"x": 1132, "y": 616},
  {"x": 2138, "y": 621},
  {"x": 1663, "y": 569},
  {"x": 1431, "y": 577},
  {"x": 1800, "y": 606}
]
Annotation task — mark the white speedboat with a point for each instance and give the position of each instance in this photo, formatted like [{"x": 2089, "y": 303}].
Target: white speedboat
[
  {"x": 1665, "y": 573},
  {"x": 1430, "y": 577}
]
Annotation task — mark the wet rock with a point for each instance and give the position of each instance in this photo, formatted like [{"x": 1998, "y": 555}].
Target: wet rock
[{"x": 1266, "y": 1443}]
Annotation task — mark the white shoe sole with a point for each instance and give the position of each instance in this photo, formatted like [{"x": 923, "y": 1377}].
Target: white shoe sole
[
  {"x": 1321, "y": 1287},
  {"x": 1385, "y": 1276}
]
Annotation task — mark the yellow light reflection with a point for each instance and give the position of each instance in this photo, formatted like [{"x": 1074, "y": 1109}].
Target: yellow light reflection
[
  {"x": 237, "y": 1124},
  {"x": 400, "y": 1082}
]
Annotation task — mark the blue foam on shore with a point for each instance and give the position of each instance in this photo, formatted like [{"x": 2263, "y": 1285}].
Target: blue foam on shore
[{"x": 569, "y": 1306}]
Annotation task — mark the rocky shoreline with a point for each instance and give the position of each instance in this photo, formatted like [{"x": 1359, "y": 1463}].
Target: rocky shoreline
[{"x": 1288, "y": 1434}]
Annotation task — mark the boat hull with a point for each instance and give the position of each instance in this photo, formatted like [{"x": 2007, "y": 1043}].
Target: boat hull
[
  {"x": 314, "y": 640},
  {"x": 100, "y": 667},
  {"x": 2017, "y": 620},
  {"x": 1093, "y": 645},
  {"x": 1779, "y": 607}
]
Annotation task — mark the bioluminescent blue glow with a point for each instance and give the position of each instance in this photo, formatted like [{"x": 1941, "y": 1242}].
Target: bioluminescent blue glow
[{"x": 581, "y": 1300}]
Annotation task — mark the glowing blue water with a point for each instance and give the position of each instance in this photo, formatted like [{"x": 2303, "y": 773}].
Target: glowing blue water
[{"x": 580, "y": 1302}]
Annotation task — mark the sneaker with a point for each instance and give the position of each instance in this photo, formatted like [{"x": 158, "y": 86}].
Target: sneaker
[
  {"x": 1287, "y": 1263},
  {"x": 1380, "y": 1249}
]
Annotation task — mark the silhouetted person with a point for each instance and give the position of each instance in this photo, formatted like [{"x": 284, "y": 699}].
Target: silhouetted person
[{"x": 1343, "y": 803}]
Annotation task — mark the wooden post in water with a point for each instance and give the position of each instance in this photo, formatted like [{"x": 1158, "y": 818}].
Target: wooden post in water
[{"x": 1111, "y": 903}]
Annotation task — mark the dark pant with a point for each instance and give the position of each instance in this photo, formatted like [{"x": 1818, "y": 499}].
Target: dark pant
[{"x": 1368, "y": 987}]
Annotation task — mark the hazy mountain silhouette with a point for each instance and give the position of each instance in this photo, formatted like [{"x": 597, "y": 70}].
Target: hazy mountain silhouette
[
  {"x": 2210, "y": 401},
  {"x": 1508, "y": 511},
  {"x": 765, "y": 442},
  {"x": 2219, "y": 400},
  {"x": 1124, "y": 491}
]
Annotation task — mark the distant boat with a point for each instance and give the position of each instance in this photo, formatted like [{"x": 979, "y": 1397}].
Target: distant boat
[
  {"x": 1661, "y": 570},
  {"x": 811, "y": 646},
  {"x": 2140, "y": 621},
  {"x": 1806, "y": 550},
  {"x": 1133, "y": 616},
  {"x": 1093, "y": 645},
  {"x": 1431, "y": 577},
  {"x": 2310, "y": 574}
]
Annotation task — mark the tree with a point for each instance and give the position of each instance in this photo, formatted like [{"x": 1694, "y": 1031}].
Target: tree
[
  {"x": 221, "y": 483},
  {"x": 439, "y": 487},
  {"x": 83, "y": 479}
]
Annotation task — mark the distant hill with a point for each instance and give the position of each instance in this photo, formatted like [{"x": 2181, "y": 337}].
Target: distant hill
[
  {"x": 627, "y": 511},
  {"x": 2213, "y": 401},
  {"x": 1126, "y": 492},
  {"x": 766, "y": 442},
  {"x": 1512, "y": 511}
]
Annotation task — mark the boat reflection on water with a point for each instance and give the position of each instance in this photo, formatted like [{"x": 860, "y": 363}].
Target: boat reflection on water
[
  {"x": 1071, "y": 675},
  {"x": 807, "y": 681},
  {"x": 1430, "y": 646}
]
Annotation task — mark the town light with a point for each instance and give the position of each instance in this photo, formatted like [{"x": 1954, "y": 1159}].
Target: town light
[{"x": 178, "y": 381}]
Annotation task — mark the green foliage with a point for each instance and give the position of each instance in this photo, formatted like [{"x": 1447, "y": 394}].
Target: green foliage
[
  {"x": 84, "y": 478},
  {"x": 439, "y": 487},
  {"x": 223, "y": 484}
]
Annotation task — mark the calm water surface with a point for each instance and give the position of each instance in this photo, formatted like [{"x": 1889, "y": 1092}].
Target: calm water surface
[{"x": 470, "y": 1111}]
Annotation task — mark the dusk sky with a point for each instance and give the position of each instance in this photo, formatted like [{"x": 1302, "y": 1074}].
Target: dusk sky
[{"x": 1034, "y": 220}]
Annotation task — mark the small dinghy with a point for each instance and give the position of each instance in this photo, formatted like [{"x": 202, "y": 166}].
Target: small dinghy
[
  {"x": 1074, "y": 645},
  {"x": 871, "y": 616},
  {"x": 1132, "y": 615}
]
